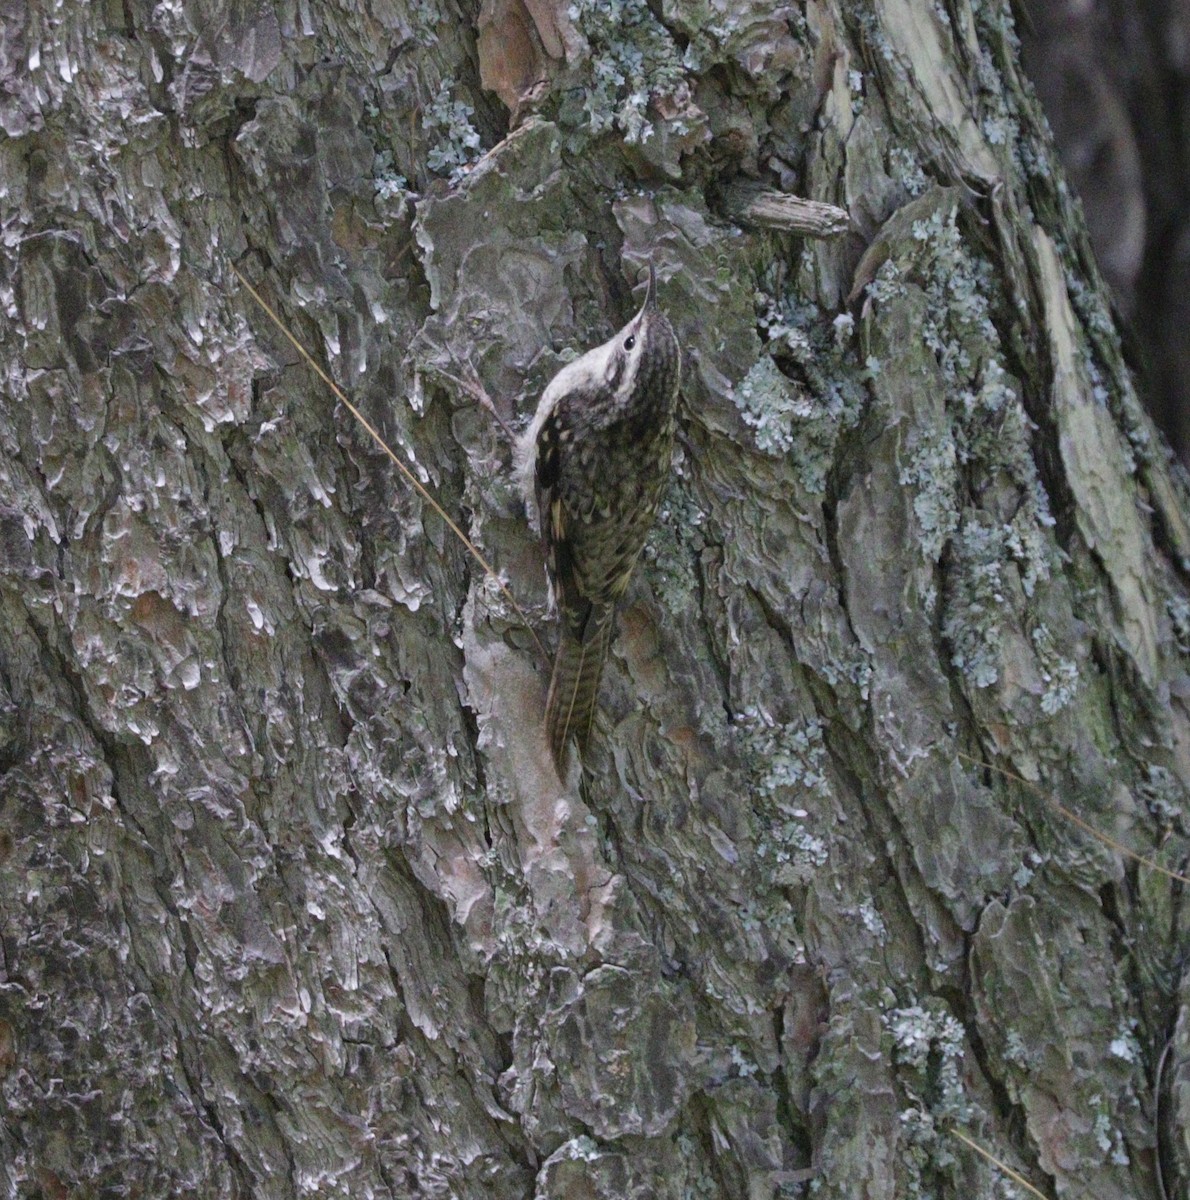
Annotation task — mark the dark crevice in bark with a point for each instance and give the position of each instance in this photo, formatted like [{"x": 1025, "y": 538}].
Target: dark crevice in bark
[
  {"x": 1043, "y": 446},
  {"x": 706, "y": 597},
  {"x": 597, "y": 794},
  {"x": 969, "y": 727},
  {"x": 14, "y": 732},
  {"x": 962, "y": 1003},
  {"x": 490, "y": 111},
  {"x": 234, "y": 679},
  {"x": 701, "y": 1131},
  {"x": 1138, "y": 716},
  {"x": 93, "y": 526},
  {"x": 1168, "y": 1163},
  {"x": 1148, "y": 980},
  {"x": 848, "y": 457},
  {"x": 1153, "y": 983},
  {"x": 1166, "y": 535},
  {"x": 476, "y": 760},
  {"x": 205, "y": 1109},
  {"x": 436, "y": 924},
  {"x": 799, "y": 1143}
]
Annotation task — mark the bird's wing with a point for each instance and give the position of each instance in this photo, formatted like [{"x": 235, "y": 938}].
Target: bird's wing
[{"x": 553, "y": 447}]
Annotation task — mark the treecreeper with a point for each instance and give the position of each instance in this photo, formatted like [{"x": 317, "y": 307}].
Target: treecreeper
[{"x": 595, "y": 460}]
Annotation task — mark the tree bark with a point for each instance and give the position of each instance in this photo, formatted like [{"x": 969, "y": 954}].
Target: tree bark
[
  {"x": 291, "y": 900},
  {"x": 1114, "y": 78}
]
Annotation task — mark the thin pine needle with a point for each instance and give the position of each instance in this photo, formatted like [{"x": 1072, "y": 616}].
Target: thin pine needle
[
  {"x": 1157, "y": 1118},
  {"x": 401, "y": 466},
  {"x": 1075, "y": 819},
  {"x": 1015, "y": 1176},
  {"x": 582, "y": 661}
]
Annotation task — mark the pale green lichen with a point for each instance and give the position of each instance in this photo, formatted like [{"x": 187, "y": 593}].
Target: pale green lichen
[
  {"x": 1124, "y": 1045},
  {"x": 1178, "y": 609},
  {"x": 871, "y": 920},
  {"x": 989, "y": 432},
  {"x": 771, "y": 406},
  {"x": 1059, "y": 674},
  {"x": 1107, "y": 1135},
  {"x": 794, "y": 755},
  {"x": 633, "y": 58},
  {"x": 745, "y": 1066},
  {"x": 674, "y": 543},
  {"x": 390, "y": 183},
  {"x": 1025, "y": 539},
  {"x": 873, "y": 36},
  {"x": 929, "y": 1047},
  {"x": 1088, "y": 302},
  {"x": 958, "y": 327},
  {"x": 849, "y": 664},
  {"x": 976, "y": 600},
  {"x": 888, "y": 286},
  {"x": 1163, "y": 795},
  {"x": 698, "y": 1184},
  {"x": 904, "y": 167},
  {"x": 996, "y": 16},
  {"x": 1001, "y": 121},
  {"x": 1016, "y": 1052},
  {"x": 929, "y": 1050},
  {"x": 455, "y": 141},
  {"x": 803, "y": 418},
  {"x": 792, "y": 760},
  {"x": 1023, "y": 875},
  {"x": 932, "y": 473}
]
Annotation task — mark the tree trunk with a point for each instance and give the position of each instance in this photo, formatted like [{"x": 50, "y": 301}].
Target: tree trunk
[
  {"x": 292, "y": 903},
  {"x": 1114, "y": 78}
]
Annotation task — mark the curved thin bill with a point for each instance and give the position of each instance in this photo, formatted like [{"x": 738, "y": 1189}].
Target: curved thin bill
[{"x": 651, "y": 290}]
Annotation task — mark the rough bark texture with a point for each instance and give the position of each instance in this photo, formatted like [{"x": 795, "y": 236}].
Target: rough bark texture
[
  {"x": 291, "y": 902},
  {"x": 1114, "y": 79}
]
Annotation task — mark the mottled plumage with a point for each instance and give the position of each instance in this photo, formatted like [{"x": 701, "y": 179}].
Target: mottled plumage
[{"x": 596, "y": 459}]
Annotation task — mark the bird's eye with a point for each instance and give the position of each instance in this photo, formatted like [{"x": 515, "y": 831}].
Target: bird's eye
[{"x": 629, "y": 343}]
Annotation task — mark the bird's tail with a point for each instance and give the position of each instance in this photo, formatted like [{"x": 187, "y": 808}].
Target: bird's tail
[{"x": 574, "y": 689}]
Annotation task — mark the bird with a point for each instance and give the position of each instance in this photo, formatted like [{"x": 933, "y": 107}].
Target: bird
[{"x": 594, "y": 462}]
